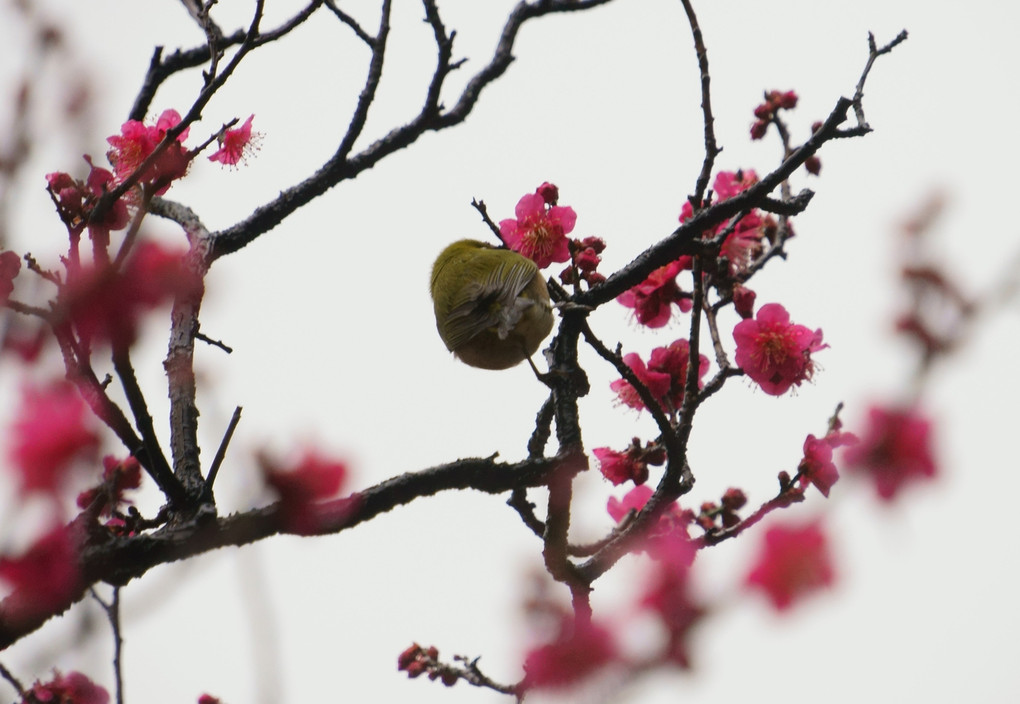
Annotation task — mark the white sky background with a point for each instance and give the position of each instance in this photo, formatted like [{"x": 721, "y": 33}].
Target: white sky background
[{"x": 335, "y": 343}]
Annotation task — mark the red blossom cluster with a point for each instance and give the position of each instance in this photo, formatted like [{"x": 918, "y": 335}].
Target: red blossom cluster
[
  {"x": 766, "y": 112},
  {"x": 303, "y": 489},
  {"x": 10, "y": 265},
  {"x": 743, "y": 301},
  {"x": 44, "y": 577},
  {"x": 745, "y": 241},
  {"x": 817, "y": 467},
  {"x": 794, "y": 562},
  {"x": 894, "y": 451},
  {"x": 653, "y": 299},
  {"x": 631, "y": 464},
  {"x": 580, "y": 649},
  {"x": 106, "y": 305},
  {"x": 416, "y": 661},
  {"x": 137, "y": 145},
  {"x": 52, "y": 430},
  {"x": 665, "y": 376},
  {"x": 104, "y": 300},
  {"x": 668, "y": 595},
  {"x": 77, "y": 201},
  {"x": 137, "y": 142},
  {"x": 118, "y": 477},
  {"x": 236, "y": 144},
  {"x": 723, "y": 514},
  {"x": 774, "y": 352},
  {"x": 539, "y": 231},
  {"x": 72, "y": 688},
  {"x": 671, "y": 529},
  {"x": 938, "y": 311},
  {"x": 584, "y": 260},
  {"x": 777, "y": 355}
]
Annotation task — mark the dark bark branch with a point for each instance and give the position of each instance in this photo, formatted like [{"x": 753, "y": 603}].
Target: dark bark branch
[
  {"x": 179, "y": 362},
  {"x": 121, "y": 559},
  {"x": 352, "y": 23},
  {"x": 357, "y": 123},
  {"x": 161, "y": 69},
  {"x": 221, "y": 452},
  {"x": 152, "y": 458},
  {"x": 341, "y": 167},
  {"x": 873, "y": 53},
  {"x": 711, "y": 148}
]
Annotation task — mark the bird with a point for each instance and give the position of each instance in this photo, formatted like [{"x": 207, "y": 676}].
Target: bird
[{"x": 492, "y": 307}]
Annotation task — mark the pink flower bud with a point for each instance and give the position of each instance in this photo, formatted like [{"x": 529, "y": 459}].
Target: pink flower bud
[
  {"x": 549, "y": 192},
  {"x": 743, "y": 301},
  {"x": 734, "y": 499}
]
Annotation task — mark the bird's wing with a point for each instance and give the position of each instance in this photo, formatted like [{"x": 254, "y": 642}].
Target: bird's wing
[{"x": 491, "y": 302}]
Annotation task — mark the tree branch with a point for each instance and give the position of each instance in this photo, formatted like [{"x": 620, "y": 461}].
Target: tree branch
[
  {"x": 711, "y": 148},
  {"x": 117, "y": 560},
  {"x": 337, "y": 169},
  {"x": 161, "y": 69}
]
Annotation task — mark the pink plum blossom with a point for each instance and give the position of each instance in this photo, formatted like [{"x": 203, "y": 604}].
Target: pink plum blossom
[
  {"x": 539, "y": 231},
  {"x": 774, "y": 352}
]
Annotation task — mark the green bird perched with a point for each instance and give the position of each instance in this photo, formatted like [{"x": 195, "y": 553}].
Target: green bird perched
[{"x": 492, "y": 307}]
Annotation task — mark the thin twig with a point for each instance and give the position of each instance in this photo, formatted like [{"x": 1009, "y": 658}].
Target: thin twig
[
  {"x": 479, "y": 205},
  {"x": 221, "y": 452},
  {"x": 153, "y": 460},
  {"x": 215, "y": 343},
  {"x": 721, "y": 360},
  {"x": 711, "y": 148},
  {"x": 214, "y": 38},
  {"x": 473, "y": 675},
  {"x": 873, "y": 53},
  {"x": 786, "y": 497},
  {"x": 543, "y": 429},
  {"x": 25, "y": 309},
  {"x": 368, "y": 92},
  {"x": 444, "y": 58},
  {"x": 352, "y": 23},
  {"x": 132, "y": 231},
  {"x": 112, "y": 610},
  {"x": 519, "y": 502},
  {"x": 691, "y": 400},
  {"x": 716, "y": 382},
  {"x": 6, "y": 674},
  {"x": 161, "y": 69}
]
